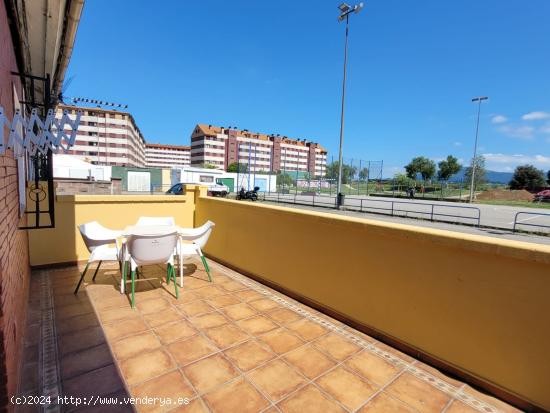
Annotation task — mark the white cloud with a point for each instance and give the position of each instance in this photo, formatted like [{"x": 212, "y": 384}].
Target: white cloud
[
  {"x": 457, "y": 144},
  {"x": 536, "y": 116},
  {"x": 545, "y": 129},
  {"x": 499, "y": 119},
  {"x": 521, "y": 132},
  {"x": 508, "y": 162}
]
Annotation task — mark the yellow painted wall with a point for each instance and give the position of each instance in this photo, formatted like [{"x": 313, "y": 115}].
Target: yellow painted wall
[
  {"x": 64, "y": 243},
  {"x": 166, "y": 180},
  {"x": 480, "y": 304}
]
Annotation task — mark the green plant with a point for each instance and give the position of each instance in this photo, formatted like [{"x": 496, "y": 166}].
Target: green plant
[
  {"x": 448, "y": 168},
  {"x": 527, "y": 177}
]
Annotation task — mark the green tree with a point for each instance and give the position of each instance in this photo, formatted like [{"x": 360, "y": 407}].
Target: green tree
[
  {"x": 548, "y": 177},
  {"x": 237, "y": 167},
  {"x": 527, "y": 177},
  {"x": 402, "y": 180},
  {"x": 447, "y": 168},
  {"x": 364, "y": 174},
  {"x": 420, "y": 165},
  {"x": 479, "y": 177},
  {"x": 348, "y": 172},
  {"x": 208, "y": 166},
  {"x": 284, "y": 179}
]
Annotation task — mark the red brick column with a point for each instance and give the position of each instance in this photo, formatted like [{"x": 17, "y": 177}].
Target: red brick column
[{"x": 14, "y": 250}]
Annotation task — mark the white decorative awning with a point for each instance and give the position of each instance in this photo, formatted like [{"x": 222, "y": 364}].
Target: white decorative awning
[{"x": 35, "y": 134}]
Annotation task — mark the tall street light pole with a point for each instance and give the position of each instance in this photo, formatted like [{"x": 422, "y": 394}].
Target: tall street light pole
[
  {"x": 345, "y": 11},
  {"x": 479, "y": 99}
]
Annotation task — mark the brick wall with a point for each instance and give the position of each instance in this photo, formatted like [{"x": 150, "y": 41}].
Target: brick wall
[
  {"x": 14, "y": 251},
  {"x": 83, "y": 186}
]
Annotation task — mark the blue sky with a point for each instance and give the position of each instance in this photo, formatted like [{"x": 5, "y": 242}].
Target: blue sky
[{"x": 276, "y": 67}]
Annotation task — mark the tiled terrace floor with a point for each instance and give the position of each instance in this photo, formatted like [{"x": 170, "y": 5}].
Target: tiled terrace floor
[{"x": 232, "y": 345}]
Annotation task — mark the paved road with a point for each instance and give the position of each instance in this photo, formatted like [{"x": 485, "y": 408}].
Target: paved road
[{"x": 496, "y": 216}]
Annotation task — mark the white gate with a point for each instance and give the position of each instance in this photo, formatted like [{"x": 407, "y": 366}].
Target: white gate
[{"x": 139, "y": 181}]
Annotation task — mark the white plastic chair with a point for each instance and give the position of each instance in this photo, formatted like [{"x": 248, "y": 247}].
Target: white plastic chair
[
  {"x": 150, "y": 249},
  {"x": 98, "y": 240},
  {"x": 192, "y": 240},
  {"x": 156, "y": 221}
]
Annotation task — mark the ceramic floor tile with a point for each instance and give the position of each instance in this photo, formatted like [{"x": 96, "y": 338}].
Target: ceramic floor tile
[
  {"x": 209, "y": 320},
  {"x": 146, "y": 366},
  {"x": 191, "y": 349},
  {"x": 336, "y": 346},
  {"x": 134, "y": 345},
  {"x": 372, "y": 367},
  {"x": 248, "y": 295},
  {"x": 249, "y": 355},
  {"x": 281, "y": 341},
  {"x": 310, "y": 399},
  {"x": 459, "y": 407},
  {"x": 417, "y": 393},
  {"x": 264, "y": 304},
  {"x": 257, "y": 325},
  {"x": 233, "y": 286},
  {"x": 283, "y": 315},
  {"x": 116, "y": 331},
  {"x": 171, "y": 386},
  {"x": 382, "y": 403},
  {"x": 177, "y": 330},
  {"x": 222, "y": 301},
  {"x": 236, "y": 396},
  {"x": 226, "y": 335},
  {"x": 276, "y": 379},
  {"x": 346, "y": 387},
  {"x": 239, "y": 311},
  {"x": 210, "y": 372},
  {"x": 196, "y": 405},
  {"x": 309, "y": 361},
  {"x": 80, "y": 340},
  {"x": 86, "y": 360},
  {"x": 306, "y": 329},
  {"x": 195, "y": 308},
  {"x": 154, "y": 305},
  {"x": 165, "y": 317}
]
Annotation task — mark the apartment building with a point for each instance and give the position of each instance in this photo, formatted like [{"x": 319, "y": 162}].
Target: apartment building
[
  {"x": 107, "y": 137},
  {"x": 220, "y": 146},
  {"x": 158, "y": 155}
]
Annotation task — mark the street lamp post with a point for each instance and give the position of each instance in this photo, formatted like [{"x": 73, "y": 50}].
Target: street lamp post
[
  {"x": 345, "y": 11},
  {"x": 479, "y": 99}
]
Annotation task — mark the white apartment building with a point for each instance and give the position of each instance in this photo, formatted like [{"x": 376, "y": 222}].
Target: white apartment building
[
  {"x": 158, "y": 155},
  {"x": 106, "y": 137},
  {"x": 221, "y": 147}
]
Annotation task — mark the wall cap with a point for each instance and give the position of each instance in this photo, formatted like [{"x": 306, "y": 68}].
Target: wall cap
[{"x": 479, "y": 243}]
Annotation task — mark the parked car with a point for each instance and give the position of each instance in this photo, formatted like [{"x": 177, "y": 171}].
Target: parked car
[
  {"x": 213, "y": 189},
  {"x": 542, "y": 196}
]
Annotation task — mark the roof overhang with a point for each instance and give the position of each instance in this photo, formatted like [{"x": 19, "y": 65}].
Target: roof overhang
[{"x": 47, "y": 31}]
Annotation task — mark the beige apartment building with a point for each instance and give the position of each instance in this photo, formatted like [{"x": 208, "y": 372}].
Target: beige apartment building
[
  {"x": 220, "y": 146},
  {"x": 107, "y": 137},
  {"x": 158, "y": 155}
]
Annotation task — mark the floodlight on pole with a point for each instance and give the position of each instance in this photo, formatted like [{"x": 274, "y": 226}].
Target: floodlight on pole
[
  {"x": 345, "y": 11},
  {"x": 478, "y": 99}
]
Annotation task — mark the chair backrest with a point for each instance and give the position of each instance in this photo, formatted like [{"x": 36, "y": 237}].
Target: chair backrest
[
  {"x": 156, "y": 221},
  {"x": 152, "y": 249},
  {"x": 94, "y": 235},
  {"x": 199, "y": 235}
]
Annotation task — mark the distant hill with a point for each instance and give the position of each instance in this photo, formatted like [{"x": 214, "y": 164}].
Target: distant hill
[{"x": 493, "y": 177}]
